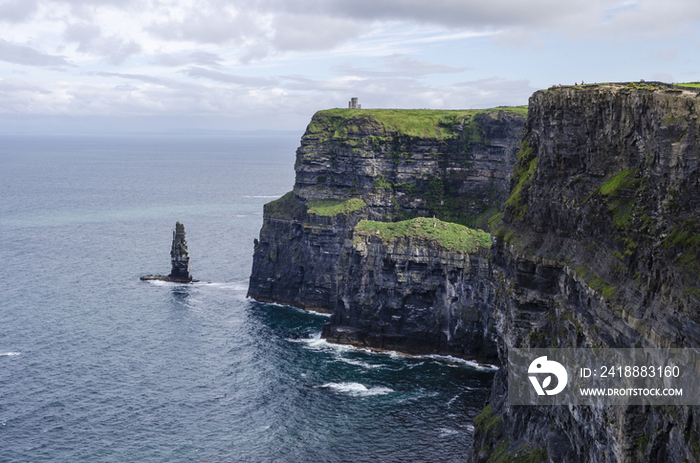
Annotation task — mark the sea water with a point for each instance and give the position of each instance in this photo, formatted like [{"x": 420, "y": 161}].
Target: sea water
[{"x": 98, "y": 366}]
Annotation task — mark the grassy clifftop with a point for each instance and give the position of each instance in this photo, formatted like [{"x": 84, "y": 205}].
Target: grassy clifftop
[
  {"x": 449, "y": 236},
  {"x": 423, "y": 123}
]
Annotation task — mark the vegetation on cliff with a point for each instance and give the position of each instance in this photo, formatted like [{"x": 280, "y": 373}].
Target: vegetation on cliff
[
  {"x": 604, "y": 244},
  {"x": 450, "y": 164},
  {"x": 415, "y": 123},
  {"x": 333, "y": 207},
  {"x": 448, "y": 236},
  {"x": 523, "y": 173}
]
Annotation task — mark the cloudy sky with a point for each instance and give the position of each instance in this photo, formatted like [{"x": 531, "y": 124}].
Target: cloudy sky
[{"x": 111, "y": 65}]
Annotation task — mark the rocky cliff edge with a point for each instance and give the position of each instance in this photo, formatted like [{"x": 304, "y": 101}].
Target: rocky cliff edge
[
  {"x": 359, "y": 167},
  {"x": 598, "y": 246}
]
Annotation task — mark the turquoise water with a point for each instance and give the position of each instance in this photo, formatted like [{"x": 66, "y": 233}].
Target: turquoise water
[{"x": 98, "y": 366}]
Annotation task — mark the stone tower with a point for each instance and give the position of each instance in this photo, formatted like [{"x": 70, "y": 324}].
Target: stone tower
[
  {"x": 179, "y": 255},
  {"x": 352, "y": 104}
]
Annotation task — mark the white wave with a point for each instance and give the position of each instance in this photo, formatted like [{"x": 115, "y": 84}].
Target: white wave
[
  {"x": 9, "y": 354},
  {"x": 163, "y": 283},
  {"x": 470, "y": 363},
  {"x": 231, "y": 286},
  {"x": 357, "y": 389},
  {"x": 306, "y": 311},
  {"x": 322, "y": 314},
  {"x": 262, "y": 196},
  {"x": 470, "y": 428},
  {"x": 452, "y": 400},
  {"x": 173, "y": 284},
  {"x": 444, "y": 432},
  {"x": 360, "y": 364},
  {"x": 315, "y": 342}
]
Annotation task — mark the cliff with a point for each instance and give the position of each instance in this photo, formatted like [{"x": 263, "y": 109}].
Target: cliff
[
  {"x": 416, "y": 286},
  {"x": 454, "y": 165},
  {"x": 598, "y": 246},
  {"x": 390, "y": 166}
]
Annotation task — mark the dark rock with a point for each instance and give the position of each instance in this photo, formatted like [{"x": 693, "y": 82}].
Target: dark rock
[
  {"x": 179, "y": 255},
  {"x": 415, "y": 298},
  {"x": 306, "y": 256},
  {"x": 179, "y": 259},
  {"x": 598, "y": 248}
]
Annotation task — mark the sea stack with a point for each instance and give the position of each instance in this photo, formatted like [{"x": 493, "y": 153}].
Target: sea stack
[
  {"x": 179, "y": 260},
  {"x": 179, "y": 255}
]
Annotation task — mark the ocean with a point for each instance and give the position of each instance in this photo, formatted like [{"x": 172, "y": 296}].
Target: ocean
[{"x": 98, "y": 366}]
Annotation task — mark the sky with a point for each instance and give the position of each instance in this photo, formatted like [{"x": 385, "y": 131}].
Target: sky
[{"x": 104, "y": 66}]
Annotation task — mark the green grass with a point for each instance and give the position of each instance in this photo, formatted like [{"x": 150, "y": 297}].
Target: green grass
[
  {"x": 685, "y": 235},
  {"x": 449, "y": 236},
  {"x": 523, "y": 174},
  {"x": 487, "y": 420},
  {"x": 522, "y": 110},
  {"x": 421, "y": 123},
  {"x": 334, "y": 207},
  {"x": 607, "y": 291},
  {"x": 690, "y": 84},
  {"x": 614, "y": 183},
  {"x": 645, "y": 86}
]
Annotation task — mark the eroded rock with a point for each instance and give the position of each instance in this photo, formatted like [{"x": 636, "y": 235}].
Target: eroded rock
[{"x": 179, "y": 259}]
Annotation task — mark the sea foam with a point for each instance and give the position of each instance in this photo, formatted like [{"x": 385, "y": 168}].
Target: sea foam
[
  {"x": 470, "y": 363},
  {"x": 357, "y": 389}
]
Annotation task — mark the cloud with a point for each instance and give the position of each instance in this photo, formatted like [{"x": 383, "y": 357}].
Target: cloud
[
  {"x": 662, "y": 77},
  {"x": 90, "y": 41},
  {"x": 594, "y": 19},
  {"x": 450, "y": 13},
  {"x": 14, "y": 86},
  {"x": 140, "y": 77},
  {"x": 15, "y": 11},
  {"x": 400, "y": 66},
  {"x": 496, "y": 91},
  {"x": 209, "y": 23},
  {"x": 83, "y": 34},
  {"x": 201, "y": 58},
  {"x": 217, "y": 76},
  {"x": 399, "y": 92},
  {"x": 255, "y": 51},
  {"x": 666, "y": 54},
  {"x": 312, "y": 32},
  {"x": 649, "y": 20},
  {"x": 262, "y": 29},
  {"x": 179, "y": 56},
  {"x": 22, "y": 54}
]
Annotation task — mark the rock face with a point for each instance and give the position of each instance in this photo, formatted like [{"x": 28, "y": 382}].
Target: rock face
[
  {"x": 390, "y": 166},
  {"x": 598, "y": 246},
  {"x": 179, "y": 259},
  {"x": 179, "y": 255},
  {"x": 454, "y": 165},
  {"x": 295, "y": 261},
  {"x": 414, "y": 294}
]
